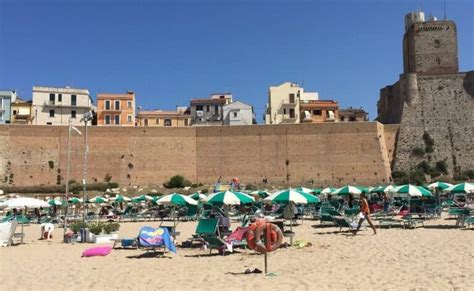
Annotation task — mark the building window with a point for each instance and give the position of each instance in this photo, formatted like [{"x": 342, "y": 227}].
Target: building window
[
  {"x": 73, "y": 100},
  {"x": 207, "y": 108},
  {"x": 145, "y": 122},
  {"x": 342, "y": 118},
  {"x": 73, "y": 114},
  {"x": 107, "y": 104},
  {"x": 117, "y": 104},
  {"x": 292, "y": 98},
  {"x": 167, "y": 122},
  {"x": 117, "y": 119},
  {"x": 186, "y": 122},
  {"x": 129, "y": 118},
  {"x": 316, "y": 112},
  {"x": 157, "y": 121},
  {"x": 1, "y": 115},
  {"x": 216, "y": 109},
  {"x": 51, "y": 113},
  {"x": 437, "y": 43},
  {"x": 107, "y": 119},
  {"x": 284, "y": 111},
  {"x": 292, "y": 113},
  {"x": 235, "y": 114},
  {"x": 60, "y": 97},
  {"x": 52, "y": 98},
  {"x": 198, "y": 107},
  {"x": 14, "y": 112},
  {"x": 129, "y": 104}
]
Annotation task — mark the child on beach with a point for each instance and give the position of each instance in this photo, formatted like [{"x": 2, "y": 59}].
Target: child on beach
[{"x": 365, "y": 211}]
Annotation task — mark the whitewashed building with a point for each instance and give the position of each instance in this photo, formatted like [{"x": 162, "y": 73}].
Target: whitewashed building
[
  {"x": 238, "y": 113},
  {"x": 54, "y": 106}
]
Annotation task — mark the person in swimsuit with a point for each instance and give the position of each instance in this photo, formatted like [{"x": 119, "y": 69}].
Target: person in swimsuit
[{"x": 365, "y": 211}]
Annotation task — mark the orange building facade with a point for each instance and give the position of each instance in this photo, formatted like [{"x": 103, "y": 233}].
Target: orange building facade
[
  {"x": 116, "y": 109},
  {"x": 160, "y": 118},
  {"x": 317, "y": 111}
]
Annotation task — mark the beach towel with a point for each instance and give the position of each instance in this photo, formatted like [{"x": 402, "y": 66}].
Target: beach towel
[
  {"x": 97, "y": 251},
  {"x": 156, "y": 237}
]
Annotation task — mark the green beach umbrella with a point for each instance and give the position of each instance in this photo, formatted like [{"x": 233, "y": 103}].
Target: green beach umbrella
[
  {"x": 305, "y": 190},
  {"x": 328, "y": 190},
  {"x": 98, "y": 199},
  {"x": 75, "y": 200},
  {"x": 411, "y": 190},
  {"x": 438, "y": 185},
  {"x": 291, "y": 195},
  {"x": 229, "y": 198},
  {"x": 198, "y": 196},
  {"x": 460, "y": 188},
  {"x": 346, "y": 190},
  {"x": 55, "y": 202},
  {"x": 120, "y": 198},
  {"x": 142, "y": 198},
  {"x": 317, "y": 191},
  {"x": 176, "y": 199},
  {"x": 260, "y": 193}
]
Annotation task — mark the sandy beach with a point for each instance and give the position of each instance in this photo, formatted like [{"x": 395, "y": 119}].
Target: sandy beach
[{"x": 434, "y": 257}]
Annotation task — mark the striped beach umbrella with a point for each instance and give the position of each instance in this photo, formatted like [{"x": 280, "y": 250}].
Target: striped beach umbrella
[
  {"x": 120, "y": 198},
  {"x": 229, "y": 198},
  {"x": 142, "y": 198},
  {"x": 317, "y": 191},
  {"x": 460, "y": 188},
  {"x": 176, "y": 199},
  {"x": 98, "y": 199},
  {"x": 305, "y": 190},
  {"x": 328, "y": 190},
  {"x": 438, "y": 185},
  {"x": 260, "y": 193},
  {"x": 291, "y": 195},
  {"x": 346, "y": 190},
  {"x": 410, "y": 190},
  {"x": 198, "y": 196},
  {"x": 74, "y": 200},
  {"x": 56, "y": 202}
]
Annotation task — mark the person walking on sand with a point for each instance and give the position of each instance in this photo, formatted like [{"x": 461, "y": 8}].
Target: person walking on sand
[{"x": 365, "y": 212}]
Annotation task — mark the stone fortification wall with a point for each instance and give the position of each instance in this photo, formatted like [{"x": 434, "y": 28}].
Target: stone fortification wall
[
  {"x": 335, "y": 154},
  {"x": 443, "y": 107}
]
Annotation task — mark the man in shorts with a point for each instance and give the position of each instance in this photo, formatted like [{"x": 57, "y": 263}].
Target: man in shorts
[{"x": 365, "y": 212}]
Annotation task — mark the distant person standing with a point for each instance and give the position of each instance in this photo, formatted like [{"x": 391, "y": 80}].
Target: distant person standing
[{"x": 365, "y": 212}]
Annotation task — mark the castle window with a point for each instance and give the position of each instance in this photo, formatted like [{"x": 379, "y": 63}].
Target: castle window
[{"x": 437, "y": 43}]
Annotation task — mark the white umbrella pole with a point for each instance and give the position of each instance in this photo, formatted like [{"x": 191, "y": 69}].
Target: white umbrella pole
[{"x": 67, "y": 176}]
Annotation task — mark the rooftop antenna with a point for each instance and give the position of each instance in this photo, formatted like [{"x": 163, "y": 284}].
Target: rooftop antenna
[{"x": 445, "y": 14}]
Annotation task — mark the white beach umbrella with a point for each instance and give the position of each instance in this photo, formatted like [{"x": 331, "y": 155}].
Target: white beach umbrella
[{"x": 23, "y": 202}]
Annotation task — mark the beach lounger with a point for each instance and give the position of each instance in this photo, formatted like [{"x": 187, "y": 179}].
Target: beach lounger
[
  {"x": 389, "y": 222},
  {"x": 151, "y": 239},
  {"x": 469, "y": 221},
  {"x": 215, "y": 242},
  {"x": 343, "y": 222},
  {"x": 411, "y": 221}
]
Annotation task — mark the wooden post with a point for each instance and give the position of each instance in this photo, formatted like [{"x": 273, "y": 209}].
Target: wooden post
[{"x": 266, "y": 263}]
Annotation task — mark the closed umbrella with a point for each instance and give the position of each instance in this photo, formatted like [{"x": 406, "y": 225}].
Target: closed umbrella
[
  {"x": 229, "y": 198},
  {"x": 23, "y": 202}
]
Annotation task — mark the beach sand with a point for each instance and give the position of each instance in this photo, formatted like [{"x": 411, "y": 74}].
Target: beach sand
[{"x": 435, "y": 257}]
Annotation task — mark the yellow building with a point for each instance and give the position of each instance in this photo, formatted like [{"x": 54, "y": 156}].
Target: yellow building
[
  {"x": 161, "y": 118},
  {"x": 21, "y": 112}
]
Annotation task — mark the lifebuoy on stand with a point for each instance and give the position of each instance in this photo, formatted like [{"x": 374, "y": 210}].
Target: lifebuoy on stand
[{"x": 264, "y": 237}]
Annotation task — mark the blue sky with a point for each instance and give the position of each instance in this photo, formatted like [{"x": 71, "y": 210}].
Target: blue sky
[{"x": 171, "y": 51}]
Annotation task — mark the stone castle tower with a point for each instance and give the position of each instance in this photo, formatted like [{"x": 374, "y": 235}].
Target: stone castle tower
[{"x": 432, "y": 101}]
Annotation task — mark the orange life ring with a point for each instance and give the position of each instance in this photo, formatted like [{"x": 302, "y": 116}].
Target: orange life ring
[{"x": 271, "y": 233}]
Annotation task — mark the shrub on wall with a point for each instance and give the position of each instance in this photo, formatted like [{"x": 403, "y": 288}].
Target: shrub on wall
[
  {"x": 429, "y": 142},
  {"x": 419, "y": 152},
  {"x": 177, "y": 181}
]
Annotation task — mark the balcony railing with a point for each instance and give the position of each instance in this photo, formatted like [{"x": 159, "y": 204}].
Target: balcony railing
[{"x": 60, "y": 104}]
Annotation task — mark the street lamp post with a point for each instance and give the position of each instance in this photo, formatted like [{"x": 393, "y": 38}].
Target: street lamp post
[{"x": 86, "y": 118}]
